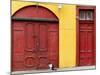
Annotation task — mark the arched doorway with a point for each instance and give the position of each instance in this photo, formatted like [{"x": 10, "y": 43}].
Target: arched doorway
[{"x": 35, "y": 39}]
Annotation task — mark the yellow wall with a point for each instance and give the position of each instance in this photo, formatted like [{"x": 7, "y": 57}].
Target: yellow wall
[
  {"x": 67, "y": 29},
  {"x": 67, "y": 36}
]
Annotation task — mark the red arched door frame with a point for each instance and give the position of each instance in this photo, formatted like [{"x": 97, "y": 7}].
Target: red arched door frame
[{"x": 35, "y": 39}]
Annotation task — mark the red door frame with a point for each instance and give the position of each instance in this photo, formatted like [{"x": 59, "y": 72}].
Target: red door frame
[
  {"x": 36, "y": 20},
  {"x": 77, "y": 30}
]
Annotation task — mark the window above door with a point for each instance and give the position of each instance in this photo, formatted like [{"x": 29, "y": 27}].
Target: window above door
[{"x": 86, "y": 15}]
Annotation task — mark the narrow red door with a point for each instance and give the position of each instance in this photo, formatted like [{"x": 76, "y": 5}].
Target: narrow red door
[
  {"x": 86, "y": 44},
  {"x": 37, "y": 45},
  {"x": 85, "y": 36},
  {"x": 18, "y": 45}
]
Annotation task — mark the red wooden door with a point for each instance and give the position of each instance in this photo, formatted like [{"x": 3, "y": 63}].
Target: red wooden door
[
  {"x": 34, "y": 39},
  {"x": 85, "y": 36},
  {"x": 86, "y": 48},
  {"x": 35, "y": 45}
]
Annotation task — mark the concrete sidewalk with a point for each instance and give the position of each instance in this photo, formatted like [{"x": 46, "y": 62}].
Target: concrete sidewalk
[{"x": 57, "y": 70}]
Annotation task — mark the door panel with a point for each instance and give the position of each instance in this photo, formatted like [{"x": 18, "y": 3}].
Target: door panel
[
  {"x": 90, "y": 41},
  {"x": 43, "y": 37},
  {"x": 30, "y": 62},
  {"x": 30, "y": 39},
  {"x": 43, "y": 50},
  {"x": 82, "y": 41},
  {"x": 53, "y": 44},
  {"x": 30, "y": 53},
  {"x": 18, "y": 49},
  {"x": 43, "y": 62}
]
